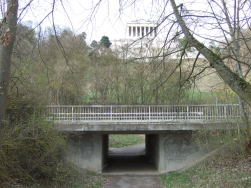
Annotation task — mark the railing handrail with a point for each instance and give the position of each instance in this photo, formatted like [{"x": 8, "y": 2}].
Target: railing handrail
[
  {"x": 99, "y": 106},
  {"x": 142, "y": 113}
]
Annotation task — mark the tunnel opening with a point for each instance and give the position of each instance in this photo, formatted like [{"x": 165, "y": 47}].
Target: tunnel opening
[{"x": 127, "y": 155}]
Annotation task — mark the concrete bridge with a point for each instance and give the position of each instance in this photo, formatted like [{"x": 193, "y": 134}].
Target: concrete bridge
[{"x": 168, "y": 130}]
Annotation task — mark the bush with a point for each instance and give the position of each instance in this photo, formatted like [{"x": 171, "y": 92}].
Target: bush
[{"x": 31, "y": 148}]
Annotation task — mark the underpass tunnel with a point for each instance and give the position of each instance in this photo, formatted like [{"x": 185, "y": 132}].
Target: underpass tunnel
[
  {"x": 133, "y": 159},
  {"x": 160, "y": 152}
]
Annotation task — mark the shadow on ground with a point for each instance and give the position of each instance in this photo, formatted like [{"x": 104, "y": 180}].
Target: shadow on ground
[{"x": 129, "y": 160}]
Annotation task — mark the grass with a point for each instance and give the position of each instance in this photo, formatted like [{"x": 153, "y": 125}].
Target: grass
[
  {"x": 224, "y": 170},
  {"x": 228, "y": 167},
  {"x": 212, "y": 97},
  {"x": 122, "y": 140},
  {"x": 177, "y": 180},
  {"x": 194, "y": 177},
  {"x": 208, "y": 177}
]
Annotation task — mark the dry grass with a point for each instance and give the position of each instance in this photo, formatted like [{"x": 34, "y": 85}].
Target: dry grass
[
  {"x": 67, "y": 177},
  {"x": 232, "y": 172},
  {"x": 229, "y": 166}
]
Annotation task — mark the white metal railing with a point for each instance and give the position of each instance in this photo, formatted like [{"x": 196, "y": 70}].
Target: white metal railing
[{"x": 141, "y": 113}]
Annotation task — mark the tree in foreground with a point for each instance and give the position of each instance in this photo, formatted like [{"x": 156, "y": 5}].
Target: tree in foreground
[
  {"x": 229, "y": 19},
  {"x": 234, "y": 77},
  {"x": 8, "y": 35}
]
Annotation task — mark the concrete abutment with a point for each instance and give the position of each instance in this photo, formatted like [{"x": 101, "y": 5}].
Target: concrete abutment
[
  {"x": 177, "y": 150},
  {"x": 172, "y": 150},
  {"x": 88, "y": 151}
]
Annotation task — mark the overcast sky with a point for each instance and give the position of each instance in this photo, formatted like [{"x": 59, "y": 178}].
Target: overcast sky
[
  {"x": 96, "y": 19},
  {"x": 100, "y": 17}
]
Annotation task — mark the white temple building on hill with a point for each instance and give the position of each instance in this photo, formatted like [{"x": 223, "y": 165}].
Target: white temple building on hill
[
  {"x": 141, "y": 37},
  {"x": 141, "y": 28},
  {"x": 144, "y": 40}
]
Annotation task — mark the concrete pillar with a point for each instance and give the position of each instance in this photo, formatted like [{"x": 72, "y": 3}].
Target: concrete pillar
[
  {"x": 105, "y": 149},
  {"x": 88, "y": 151},
  {"x": 176, "y": 150}
]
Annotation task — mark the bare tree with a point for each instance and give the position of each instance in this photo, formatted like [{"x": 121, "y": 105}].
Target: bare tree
[
  {"x": 235, "y": 81},
  {"x": 232, "y": 39}
]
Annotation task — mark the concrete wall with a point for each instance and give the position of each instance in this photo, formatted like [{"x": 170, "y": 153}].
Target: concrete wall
[
  {"x": 85, "y": 150},
  {"x": 177, "y": 150},
  {"x": 105, "y": 149},
  {"x": 152, "y": 148},
  {"x": 172, "y": 150}
]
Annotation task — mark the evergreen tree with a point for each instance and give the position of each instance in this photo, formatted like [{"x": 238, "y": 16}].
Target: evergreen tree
[{"x": 105, "y": 42}]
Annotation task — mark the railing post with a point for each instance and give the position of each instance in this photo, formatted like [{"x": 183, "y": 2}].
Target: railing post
[
  {"x": 188, "y": 112},
  {"x": 149, "y": 113},
  {"x": 72, "y": 113},
  {"x": 111, "y": 113},
  {"x": 217, "y": 111}
]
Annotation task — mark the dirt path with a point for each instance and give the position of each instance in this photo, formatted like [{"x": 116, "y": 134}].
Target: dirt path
[{"x": 133, "y": 181}]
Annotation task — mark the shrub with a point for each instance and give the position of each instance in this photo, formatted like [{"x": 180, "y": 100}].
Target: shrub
[{"x": 31, "y": 148}]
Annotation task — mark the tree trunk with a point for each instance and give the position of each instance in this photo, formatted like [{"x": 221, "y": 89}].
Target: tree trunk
[
  {"x": 235, "y": 82},
  {"x": 8, "y": 35}
]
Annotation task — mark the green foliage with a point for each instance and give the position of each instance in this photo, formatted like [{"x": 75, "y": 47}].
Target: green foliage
[
  {"x": 121, "y": 140},
  {"x": 220, "y": 97}
]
